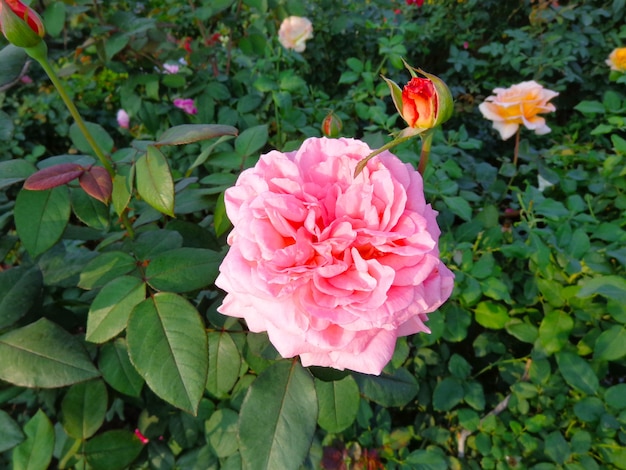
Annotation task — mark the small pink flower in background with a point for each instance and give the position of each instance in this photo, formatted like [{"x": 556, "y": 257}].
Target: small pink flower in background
[
  {"x": 334, "y": 268},
  {"x": 186, "y": 104},
  {"x": 171, "y": 68},
  {"x": 518, "y": 105},
  {"x": 144, "y": 440},
  {"x": 26, "y": 79},
  {"x": 294, "y": 32},
  {"x": 123, "y": 120}
]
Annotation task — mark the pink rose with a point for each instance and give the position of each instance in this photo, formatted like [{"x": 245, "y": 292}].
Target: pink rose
[
  {"x": 294, "y": 32},
  {"x": 123, "y": 120},
  {"x": 333, "y": 267},
  {"x": 186, "y": 104}
]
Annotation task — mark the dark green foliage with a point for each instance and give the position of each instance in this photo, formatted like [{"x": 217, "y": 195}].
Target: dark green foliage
[{"x": 113, "y": 352}]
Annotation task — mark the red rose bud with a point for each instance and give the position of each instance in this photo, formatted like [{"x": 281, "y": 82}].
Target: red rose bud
[
  {"x": 424, "y": 103},
  {"x": 20, "y": 24},
  {"x": 419, "y": 103},
  {"x": 331, "y": 125}
]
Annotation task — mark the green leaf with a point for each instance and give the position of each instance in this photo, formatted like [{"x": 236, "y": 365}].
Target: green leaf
[
  {"x": 491, "y": 315},
  {"x": 99, "y": 134},
  {"x": 615, "y": 396},
  {"x": 523, "y": 331},
  {"x": 552, "y": 291},
  {"x": 619, "y": 144},
  {"x": 117, "y": 369},
  {"x": 395, "y": 389},
  {"x": 188, "y": 133},
  {"x": 90, "y": 211},
  {"x": 338, "y": 403},
  {"x": 611, "y": 344},
  {"x": 122, "y": 189},
  {"x": 590, "y": 107},
  {"x": 7, "y": 129},
  {"x": 115, "y": 43},
  {"x": 251, "y": 140},
  {"x": 224, "y": 364},
  {"x": 54, "y": 18},
  {"x": 429, "y": 459},
  {"x": 280, "y": 407},
  {"x": 447, "y": 394},
  {"x": 149, "y": 244},
  {"x": 184, "y": 269},
  {"x": 495, "y": 288},
  {"x": 14, "y": 171},
  {"x": 221, "y": 432},
  {"x": 35, "y": 453},
  {"x": 457, "y": 321},
  {"x": 168, "y": 347},
  {"x": 44, "y": 355},
  {"x": 459, "y": 367},
  {"x": 556, "y": 448},
  {"x": 154, "y": 181},
  {"x": 111, "y": 308},
  {"x": 459, "y": 206},
  {"x": 112, "y": 450},
  {"x": 577, "y": 372},
  {"x": 554, "y": 330},
  {"x": 20, "y": 287},
  {"x": 84, "y": 408},
  {"x": 10, "y": 432},
  {"x": 220, "y": 219},
  {"x": 12, "y": 59},
  {"x": 106, "y": 268},
  {"x": 611, "y": 287},
  {"x": 41, "y": 218}
]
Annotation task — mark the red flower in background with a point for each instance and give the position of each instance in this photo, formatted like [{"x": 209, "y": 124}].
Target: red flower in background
[{"x": 419, "y": 3}]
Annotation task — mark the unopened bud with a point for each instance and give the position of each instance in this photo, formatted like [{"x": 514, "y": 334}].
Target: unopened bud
[
  {"x": 331, "y": 125},
  {"x": 20, "y": 24}
]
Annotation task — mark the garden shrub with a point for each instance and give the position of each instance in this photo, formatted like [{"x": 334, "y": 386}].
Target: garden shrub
[{"x": 525, "y": 364}]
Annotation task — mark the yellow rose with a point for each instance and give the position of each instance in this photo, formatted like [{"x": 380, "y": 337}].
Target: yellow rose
[
  {"x": 519, "y": 104},
  {"x": 617, "y": 59},
  {"x": 294, "y": 32}
]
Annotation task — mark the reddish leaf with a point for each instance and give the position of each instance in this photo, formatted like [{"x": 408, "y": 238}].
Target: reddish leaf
[
  {"x": 97, "y": 182},
  {"x": 53, "y": 176}
]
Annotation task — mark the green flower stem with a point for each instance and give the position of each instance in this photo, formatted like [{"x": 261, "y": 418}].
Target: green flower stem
[
  {"x": 40, "y": 54},
  {"x": 405, "y": 135},
  {"x": 387, "y": 146},
  {"x": 427, "y": 140},
  {"x": 516, "y": 150}
]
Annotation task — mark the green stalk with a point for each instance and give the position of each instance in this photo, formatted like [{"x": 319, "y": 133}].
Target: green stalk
[
  {"x": 427, "y": 140},
  {"x": 387, "y": 146},
  {"x": 516, "y": 150},
  {"x": 40, "y": 54}
]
